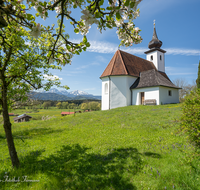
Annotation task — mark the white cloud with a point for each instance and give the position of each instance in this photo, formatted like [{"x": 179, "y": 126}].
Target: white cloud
[
  {"x": 102, "y": 59},
  {"x": 169, "y": 68},
  {"x": 158, "y": 6},
  {"x": 86, "y": 66},
  {"x": 53, "y": 77},
  {"x": 102, "y": 47},
  {"x": 139, "y": 51},
  {"x": 180, "y": 51},
  {"x": 106, "y": 47}
]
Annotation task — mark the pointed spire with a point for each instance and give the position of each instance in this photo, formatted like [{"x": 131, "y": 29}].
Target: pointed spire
[{"x": 155, "y": 42}]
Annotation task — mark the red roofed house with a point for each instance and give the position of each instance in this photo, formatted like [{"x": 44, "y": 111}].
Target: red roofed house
[
  {"x": 66, "y": 113},
  {"x": 131, "y": 80}
]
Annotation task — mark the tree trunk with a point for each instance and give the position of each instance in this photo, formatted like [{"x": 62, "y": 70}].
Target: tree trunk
[{"x": 7, "y": 128}]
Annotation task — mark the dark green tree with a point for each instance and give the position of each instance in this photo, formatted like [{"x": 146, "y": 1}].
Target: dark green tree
[{"x": 198, "y": 78}]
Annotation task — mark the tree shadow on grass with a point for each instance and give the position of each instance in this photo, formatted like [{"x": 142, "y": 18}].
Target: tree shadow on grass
[
  {"x": 2, "y": 137},
  {"x": 73, "y": 167},
  {"x": 29, "y": 133},
  {"x": 152, "y": 154}
]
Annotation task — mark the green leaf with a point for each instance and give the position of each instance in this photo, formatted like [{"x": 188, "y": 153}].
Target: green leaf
[
  {"x": 108, "y": 18},
  {"x": 110, "y": 1},
  {"x": 118, "y": 16},
  {"x": 132, "y": 4},
  {"x": 29, "y": 16},
  {"x": 84, "y": 39},
  {"x": 127, "y": 3},
  {"x": 109, "y": 8},
  {"x": 87, "y": 44},
  {"x": 101, "y": 2},
  {"x": 97, "y": 14},
  {"x": 76, "y": 30},
  {"x": 23, "y": 6},
  {"x": 39, "y": 9},
  {"x": 76, "y": 52},
  {"x": 108, "y": 26}
]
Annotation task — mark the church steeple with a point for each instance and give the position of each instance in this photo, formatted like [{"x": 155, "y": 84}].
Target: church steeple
[
  {"x": 155, "y": 42},
  {"x": 156, "y": 54}
]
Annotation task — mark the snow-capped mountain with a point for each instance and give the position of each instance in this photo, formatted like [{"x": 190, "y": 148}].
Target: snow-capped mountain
[
  {"x": 79, "y": 93},
  {"x": 54, "y": 90},
  {"x": 67, "y": 93},
  {"x": 55, "y": 94}
]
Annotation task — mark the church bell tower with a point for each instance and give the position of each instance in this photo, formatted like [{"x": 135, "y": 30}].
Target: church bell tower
[{"x": 156, "y": 54}]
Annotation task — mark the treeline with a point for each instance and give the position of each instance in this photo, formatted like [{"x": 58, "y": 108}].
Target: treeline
[
  {"x": 92, "y": 105},
  {"x": 71, "y": 104}
]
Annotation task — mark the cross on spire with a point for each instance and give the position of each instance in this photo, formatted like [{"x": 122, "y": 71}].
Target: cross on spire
[{"x": 154, "y": 23}]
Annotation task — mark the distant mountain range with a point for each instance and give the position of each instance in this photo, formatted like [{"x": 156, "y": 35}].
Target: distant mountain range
[{"x": 63, "y": 95}]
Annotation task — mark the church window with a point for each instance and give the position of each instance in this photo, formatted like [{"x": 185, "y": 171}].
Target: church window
[
  {"x": 160, "y": 57},
  {"x": 151, "y": 57},
  {"x": 106, "y": 88},
  {"x": 169, "y": 92}
]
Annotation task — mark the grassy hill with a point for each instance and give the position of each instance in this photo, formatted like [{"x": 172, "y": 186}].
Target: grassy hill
[{"x": 135, "y": 147}]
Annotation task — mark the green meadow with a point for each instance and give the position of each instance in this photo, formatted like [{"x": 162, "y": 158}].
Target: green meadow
[{"x": 135, "y": 147}]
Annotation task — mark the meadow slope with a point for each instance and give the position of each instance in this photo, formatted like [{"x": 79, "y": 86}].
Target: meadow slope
[{"x": 135, "y": 147}]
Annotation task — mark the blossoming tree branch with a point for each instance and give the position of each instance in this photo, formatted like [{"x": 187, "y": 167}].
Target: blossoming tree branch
[
  {"x": 118, "y": 13},
  {"x": 28, "y": 50}
]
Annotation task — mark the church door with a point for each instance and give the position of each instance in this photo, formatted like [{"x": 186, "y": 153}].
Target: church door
[{"x": 142, "y": 98}]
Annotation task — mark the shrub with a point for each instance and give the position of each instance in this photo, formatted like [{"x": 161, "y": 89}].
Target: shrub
[{"x": 191, "y": 116}]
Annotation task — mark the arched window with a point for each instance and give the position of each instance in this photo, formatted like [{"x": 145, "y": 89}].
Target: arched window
[
  {"x": 151, "y": 57},
  {"x": 106, "y": 88},
  {"x": 160, "y": 57}
]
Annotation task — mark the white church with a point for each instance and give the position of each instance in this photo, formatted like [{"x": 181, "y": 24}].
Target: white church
[{"x": 131, "y": 80}]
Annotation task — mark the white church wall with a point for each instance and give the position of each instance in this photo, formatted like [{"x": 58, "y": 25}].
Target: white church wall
[
  {"x": 120, "y": 95},
  {"x": 130, "y": 81},
  {"x": 157, "y": 61},
  {"x": 161, "y": 61},
  {"x": 149, "y": 93},
  {"x": 165, "y": 98},
  {"x": 118, "y": 91},
  {"x": 105, "y": 94}
]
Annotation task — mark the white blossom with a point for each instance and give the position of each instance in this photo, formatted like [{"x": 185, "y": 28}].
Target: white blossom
[
  {"x": 51, "y": 60},
  {"x": 119, "y": 22},
  {"x": 136, "y": 29},
  {"x": 36, "y": 31},
  {"x": 58, "y": 10},
  {"x": 88, "y": 18}
]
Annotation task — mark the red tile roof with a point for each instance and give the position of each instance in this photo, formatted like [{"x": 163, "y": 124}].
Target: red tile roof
[
  {"x": 123, "y": 63},
  {"x": 66, "y": 113}
]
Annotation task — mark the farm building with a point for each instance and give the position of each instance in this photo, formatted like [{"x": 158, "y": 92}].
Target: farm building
[
  {"x": 66, "y": 113},
  {"x": 22, "y": 118},
  {"x": 12, "y": 114},
  {"x": 131, "y": 80}
]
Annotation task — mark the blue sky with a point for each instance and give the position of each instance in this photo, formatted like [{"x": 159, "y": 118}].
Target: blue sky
[{"x": 177, "y": 26}]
